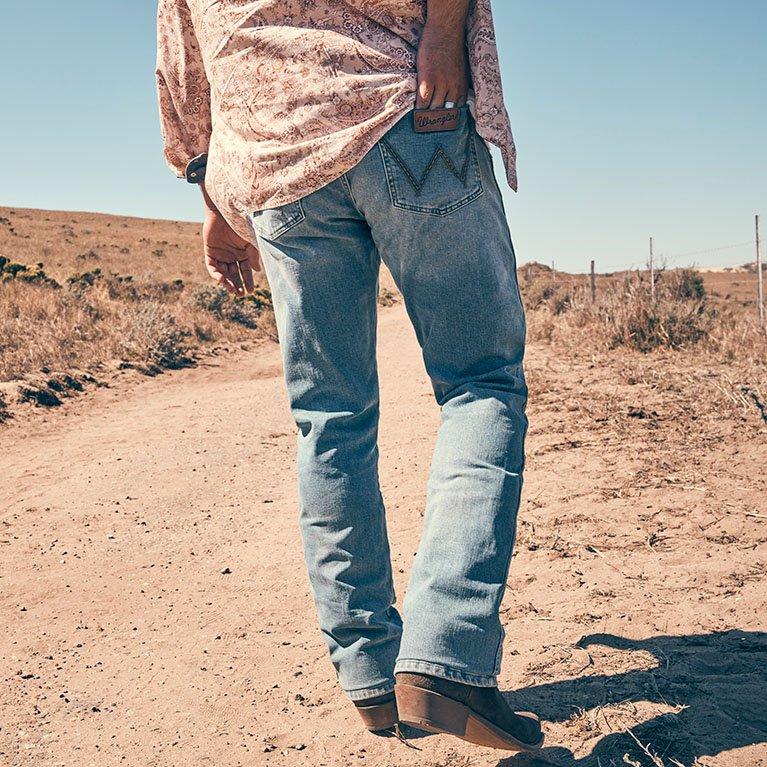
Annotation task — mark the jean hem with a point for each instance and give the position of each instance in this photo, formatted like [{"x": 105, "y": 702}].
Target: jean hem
[
  {"x": 413, "y": 666},
  {"x": 369, "y": 692}
]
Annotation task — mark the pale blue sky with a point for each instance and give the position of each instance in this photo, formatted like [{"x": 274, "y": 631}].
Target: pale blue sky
[{"x": 631, "y": 119}]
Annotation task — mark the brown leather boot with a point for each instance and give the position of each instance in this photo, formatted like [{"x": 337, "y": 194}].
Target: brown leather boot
[
  {"x": 476, "y": 714},
  {"x": 378, "y": 713}
]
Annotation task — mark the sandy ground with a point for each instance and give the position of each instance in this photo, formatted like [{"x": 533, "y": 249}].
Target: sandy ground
[{"x": 155, "y": 610}]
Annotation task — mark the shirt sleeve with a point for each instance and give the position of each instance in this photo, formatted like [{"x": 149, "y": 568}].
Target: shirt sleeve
[{"x": 182, "y": 87}]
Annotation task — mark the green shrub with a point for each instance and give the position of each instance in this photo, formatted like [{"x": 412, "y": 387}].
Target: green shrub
[
  {"x": 13, "y": 270},
  {"x": 84, "y": 280}
]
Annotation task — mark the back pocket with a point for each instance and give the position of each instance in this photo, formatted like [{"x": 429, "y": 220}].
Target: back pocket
[
  {"x": 431, "y": 173},
  {"x": 274, "y": 222}
]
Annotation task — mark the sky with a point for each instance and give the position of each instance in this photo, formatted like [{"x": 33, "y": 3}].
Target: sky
[{"x": 631, "y": 119}]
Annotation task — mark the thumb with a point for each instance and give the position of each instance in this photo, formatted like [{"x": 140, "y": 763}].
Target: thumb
[
  {"x": 425, "y": 91},
  {"x": 254, "y": 257}
]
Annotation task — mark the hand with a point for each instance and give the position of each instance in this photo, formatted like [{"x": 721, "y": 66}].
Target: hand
[
  {"x": 443, "y": 70},
  {"x": 229, "y": 259}
]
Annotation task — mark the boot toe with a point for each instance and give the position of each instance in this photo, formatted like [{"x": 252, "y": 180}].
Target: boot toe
[{"x": 530, "y": 731}]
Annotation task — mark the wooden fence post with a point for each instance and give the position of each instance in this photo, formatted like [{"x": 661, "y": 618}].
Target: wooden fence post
[{"x": 759, "y": 285}]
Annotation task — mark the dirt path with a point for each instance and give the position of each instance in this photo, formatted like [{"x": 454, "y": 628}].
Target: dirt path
[{"x": 155, "y": 610}]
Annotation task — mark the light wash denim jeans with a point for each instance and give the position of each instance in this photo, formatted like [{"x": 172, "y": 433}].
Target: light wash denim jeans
[{"x": 429, "y": 206}]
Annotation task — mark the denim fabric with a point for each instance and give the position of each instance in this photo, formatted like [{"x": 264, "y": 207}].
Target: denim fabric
[{"x": 429, "y": 206}]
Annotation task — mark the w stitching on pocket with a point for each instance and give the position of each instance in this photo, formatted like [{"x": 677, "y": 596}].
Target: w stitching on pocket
[
  {"x": 392, "y": 161},
  {"x": 439, "y": 152}
]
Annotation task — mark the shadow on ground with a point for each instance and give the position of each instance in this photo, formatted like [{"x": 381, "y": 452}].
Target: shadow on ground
[{"x": 720, "y": 679}]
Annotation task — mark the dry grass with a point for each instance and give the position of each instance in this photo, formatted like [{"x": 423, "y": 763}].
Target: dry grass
[
  {"x": 97, "y": 321},
  {"x": 120, "y": 292},
  {"x": 84, "y": 294},
  {"x": 682, "y": 316},
  {"x": 704, "y": 350},
  {"x": 69, "y": 242}
]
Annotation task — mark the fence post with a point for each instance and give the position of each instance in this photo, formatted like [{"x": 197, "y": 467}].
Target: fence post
[
  {"x": 652, "y": 273},
  {"x": 593, "y": 282},
  {"x": 759, "y": 285}
]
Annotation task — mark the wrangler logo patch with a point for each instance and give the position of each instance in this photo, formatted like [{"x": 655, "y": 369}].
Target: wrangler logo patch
[{"x": 433, "y": 120}]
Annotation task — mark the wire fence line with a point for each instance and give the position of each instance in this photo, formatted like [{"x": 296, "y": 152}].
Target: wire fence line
[
  {"x": 663, "y": 258},
  {"x": 664, "y": 261},
  {"x": 675, "y": 257}
]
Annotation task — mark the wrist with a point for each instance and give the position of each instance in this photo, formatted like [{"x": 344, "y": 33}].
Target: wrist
[
  {"x": 209, "y": 206},
  {"x": 450, "y": 26},
  {"x": 446, "y": 20},
  {"x": 444, "y": 33}
]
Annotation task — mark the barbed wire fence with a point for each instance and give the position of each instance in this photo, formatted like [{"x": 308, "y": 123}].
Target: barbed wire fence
[{"x": 674, "y": 261}]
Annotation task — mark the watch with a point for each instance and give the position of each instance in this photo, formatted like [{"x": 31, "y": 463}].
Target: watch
[{"x": 195, "y": 169}]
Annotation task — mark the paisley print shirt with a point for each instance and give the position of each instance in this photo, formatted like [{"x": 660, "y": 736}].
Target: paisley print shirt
[{"x": 285, "y": 96}]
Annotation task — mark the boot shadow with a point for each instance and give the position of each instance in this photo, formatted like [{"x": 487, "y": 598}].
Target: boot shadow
[{"x": 719, "y": 678}]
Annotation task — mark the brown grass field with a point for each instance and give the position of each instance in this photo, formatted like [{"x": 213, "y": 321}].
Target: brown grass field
[
  {"x": 87, "y": 295},
  {"x": 153, "y": 601}
]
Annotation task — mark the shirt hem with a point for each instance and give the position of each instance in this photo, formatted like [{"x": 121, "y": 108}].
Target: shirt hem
[{"x": 278, "y": 200}]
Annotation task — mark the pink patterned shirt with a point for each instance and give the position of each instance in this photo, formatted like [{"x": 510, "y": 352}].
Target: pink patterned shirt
[{"x": 287, "y": 95}]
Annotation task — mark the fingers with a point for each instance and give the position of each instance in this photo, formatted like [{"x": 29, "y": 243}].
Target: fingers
[
  {"x": 219, "y": 272},
  {"x": 438, "y": 96},
  {"x": 233, "y": 276},
  {"x": 216, "y": 274},
  {"x": 431, "y": 95},
  {"x": 237, "y": 277},
  {"x": 455, "y": 97},
  {"x": 247, "y": 265},
  {"x": 443, "y": 72},
  {"x": 229, "y": 258},
  {"x": 246, "y": 272},
  {"x": 424, "y": 95},
  {"x": 254, "y": 257}
]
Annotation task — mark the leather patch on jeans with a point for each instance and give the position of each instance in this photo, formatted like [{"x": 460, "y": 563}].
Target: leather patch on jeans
[{"x": 435, "y": 120}]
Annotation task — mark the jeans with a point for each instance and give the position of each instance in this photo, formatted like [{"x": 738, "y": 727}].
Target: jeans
[{"x": 427, "y": 204}]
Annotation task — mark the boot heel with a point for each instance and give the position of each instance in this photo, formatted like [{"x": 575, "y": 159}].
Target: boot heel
[
  {"x": 381, "y": 716},
  {"x": 430, "y": 711}
]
